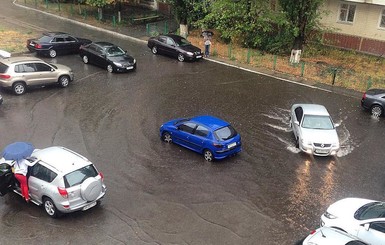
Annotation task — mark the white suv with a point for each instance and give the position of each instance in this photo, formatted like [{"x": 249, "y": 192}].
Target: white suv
[{"x": 63, "y": 181}]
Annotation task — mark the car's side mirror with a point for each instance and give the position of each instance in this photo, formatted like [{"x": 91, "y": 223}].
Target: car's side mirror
[
  {"x": 336, "y": 125},
  {"x": 366, "y": 226},
  {"x": 52, "y": 69},
  {"x": 125, "y": 51},
  {"x": 296, "y": 123}
]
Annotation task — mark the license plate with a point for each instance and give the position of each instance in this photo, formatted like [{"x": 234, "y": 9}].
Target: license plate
[
  {"x": 130, "y": 68},
  {"x": 88, "y": 206},
  {"x": 322, "y": 151},
  {"x": 232, "y": 145},
  {"x": 199, "y": 56}
]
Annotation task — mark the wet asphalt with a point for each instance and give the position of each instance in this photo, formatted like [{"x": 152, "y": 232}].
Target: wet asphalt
[{"x": 270, "y": 193}]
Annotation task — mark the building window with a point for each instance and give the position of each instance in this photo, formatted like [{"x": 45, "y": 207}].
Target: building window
[
  {"x": 382, "y": 20},
  {"x": 347, "y": 12}
]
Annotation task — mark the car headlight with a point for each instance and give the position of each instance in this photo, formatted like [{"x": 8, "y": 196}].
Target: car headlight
[
  {"x": 330, "y": 216},
  {"x": 190, "y": 53},
  {"x": 118, "y": 64}
]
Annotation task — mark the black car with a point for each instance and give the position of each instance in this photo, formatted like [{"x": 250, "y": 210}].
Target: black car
[
  {"x": 175, "y": 46},
  {"x": 374, "y": 100},
  {"x": 54, "y": 43},
  {"x": 107, "y": 55}
]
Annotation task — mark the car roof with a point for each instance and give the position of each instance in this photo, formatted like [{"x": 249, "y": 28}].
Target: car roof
[
  {"x": 55, "y": 33},
  {"x": 212, "y": 122},
  {"x": 17, "y": 59},
  {"x": 375, "y": 91},
  {"x": 60, "y": 158},
  {"x": 173, "y": 36},
  {"x": 313, "y": 109},
  {"x": 104, "y": 44}
]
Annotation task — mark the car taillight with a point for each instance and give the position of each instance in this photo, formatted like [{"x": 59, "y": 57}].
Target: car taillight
[
  {"x": 312, "y": 232},
  {"x": 37, "y": 45},
  {"x": 5, "y": 76},
  {"x": 364, "y": 96},
  {"x": 63, "y": 192},
  {"x": 217, "y": 145},
  {"x": 101, "y": 175}
]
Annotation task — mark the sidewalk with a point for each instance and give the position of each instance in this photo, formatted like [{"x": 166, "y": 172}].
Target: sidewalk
[{"x": 138, "y": 33}]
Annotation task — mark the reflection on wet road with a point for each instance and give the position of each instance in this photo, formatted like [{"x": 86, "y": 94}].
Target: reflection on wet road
[{"x": 158, "y": 193}]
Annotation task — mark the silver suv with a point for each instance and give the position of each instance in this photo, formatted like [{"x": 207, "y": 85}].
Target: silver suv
[
  {"x": 61, "y": 180},
  {"x": 19, "y": 72}
]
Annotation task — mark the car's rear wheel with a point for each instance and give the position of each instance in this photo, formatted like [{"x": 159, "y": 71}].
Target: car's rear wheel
[
  {"x": 154, "y": 50},
  {"x": 166, "y": 137},
  {"x": 208, "y": 155},
  {"x": 19, "y": 88},
  {"x": 64, "y": 81},
  {"x": 180, "y": 57},
  {"x": 376, "y": 110},
  {"x": 50, "y": 208},
  {"x": 52, "y": 53},
  {"x": 110, "y": 69},
  {"x": 85, "y": 59}
]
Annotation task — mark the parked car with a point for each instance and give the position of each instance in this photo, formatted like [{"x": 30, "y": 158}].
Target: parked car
[
  {"x": 56, "y": 43},
  {"x": 108, "y": 56},
  {"x": 207, "y": 135},
  {"x": 314, "y": 130},
  {"x": 360, "y": 217},
  {"x": 374, "y": 100},
  {"x": 60, "y": 180},
  {"x": 328, "y": 236},
  {"x": 17, "y": 73},
  {"x": 174, "y": 46}
]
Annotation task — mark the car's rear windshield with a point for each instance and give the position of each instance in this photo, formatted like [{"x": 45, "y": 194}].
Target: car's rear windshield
[
  {"x": 225, "y": 133},
  {"x": 45, "y": 39},
  {"x": 3, "y": 68},
  {"x": 78, "y": 176},
  {"x": 317, "y": 122}
]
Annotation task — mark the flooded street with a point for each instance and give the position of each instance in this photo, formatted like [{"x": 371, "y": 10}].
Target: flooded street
[{"x": 158, "y": 193}]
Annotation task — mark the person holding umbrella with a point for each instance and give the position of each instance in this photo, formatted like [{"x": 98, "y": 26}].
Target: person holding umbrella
[{"x": 18, "y": 152}]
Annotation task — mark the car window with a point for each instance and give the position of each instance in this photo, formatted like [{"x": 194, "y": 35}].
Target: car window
[
  {"x": 58, "y": 40},
  {"x": 317, "y": 122},
  {"x": 70, "y": 39},
  {"x": 42, "y": 67},
  {"x": 182, "y": 42},
  {"x": 3, "y": 68},
  {"x": 162, "y": 39},
  {"x": 356, "y": 242},
  {"x": 187, "y": 127},
  {"x": 201, "y": 131},
  {"x": 370, "y": 211},
  {"x": 114, "y": 51},
  {"x": 378, "y": 226},
  {"x": 43, "y": 173},
  {"x": 78, "y": 176},
  {"x": 298, "y": 113},
  {"x": 45, "y": 39},
  {"x": 169, "y": 41},
  {"x": 27, "y": 67},
  {"x": 225, "y": 133}
]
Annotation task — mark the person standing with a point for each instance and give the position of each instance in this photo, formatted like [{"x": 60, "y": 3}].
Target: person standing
[
  {"x": 21, "y": 170},
  {"x": 207, "y": 47}
]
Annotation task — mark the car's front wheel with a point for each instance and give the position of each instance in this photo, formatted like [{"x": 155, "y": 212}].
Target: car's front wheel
[
  {"x": 50, "y": 208},
  {"x": 64, "y": 81},
  {"x": 52, "y": 53},
  {"x": 208, "y": 155},
  {"x": 154, "y": 50},
  {"x": 166, "y": 137},
  {"x": 110, "y": 69},
  {"x": 85, "y": 59},
  {"x": 376, "y": 110},
  {"x": 19, "y": 88},
  {"x": 180, "y": 57}
]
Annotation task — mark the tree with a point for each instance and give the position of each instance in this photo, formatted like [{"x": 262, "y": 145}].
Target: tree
[
  {"x": 99, "y": 4},
  {"x": 303, "y": 16}
]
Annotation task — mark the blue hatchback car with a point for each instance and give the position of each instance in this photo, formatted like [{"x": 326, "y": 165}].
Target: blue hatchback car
[{"x": 207, "y": 135}]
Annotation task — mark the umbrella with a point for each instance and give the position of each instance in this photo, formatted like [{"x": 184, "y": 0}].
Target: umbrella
[
  {"x": 207, "y": 33},
  {"x": 17, "y": 151}
]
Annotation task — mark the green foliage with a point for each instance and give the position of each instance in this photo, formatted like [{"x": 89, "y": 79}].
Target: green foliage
[
  {"x": 189, "y": 11},
  {"x": 99, "y": 3}
]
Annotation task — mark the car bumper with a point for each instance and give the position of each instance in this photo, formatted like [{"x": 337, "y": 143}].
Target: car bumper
[
  {"x": 126, "y": 69},
  {"x": 318, "y": 151},
  {"x": 226, "y": 153},
  {"x": 193, "y": 57},
  {"x": 365, "y": 106},
  {"x": 64, "y": 207},
  {"x": 5, "y": 84}
]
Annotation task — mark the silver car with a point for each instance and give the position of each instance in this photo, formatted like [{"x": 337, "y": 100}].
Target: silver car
[
  {"x": 314, "y": 130},
  {"x": 17, "y": 73},
  {"x": 63, "y": 181}
]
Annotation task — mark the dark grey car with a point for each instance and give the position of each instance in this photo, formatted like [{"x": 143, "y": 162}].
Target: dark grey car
[{"x": 374, "y": 100}]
